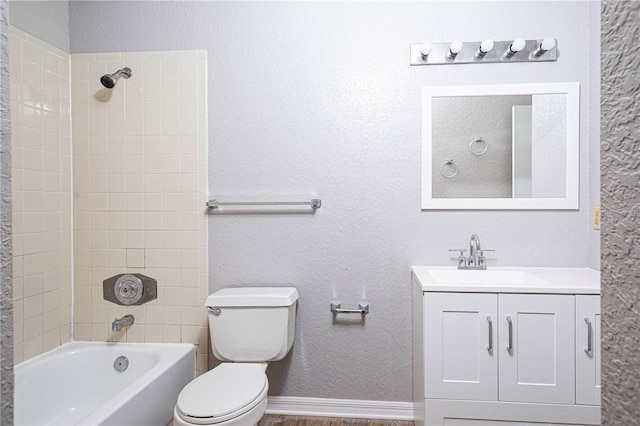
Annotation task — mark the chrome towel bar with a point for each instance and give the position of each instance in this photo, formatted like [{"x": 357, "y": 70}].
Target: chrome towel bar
[
  {"x": 315, "y": 203},
  {"x": 336, "y": 308}
]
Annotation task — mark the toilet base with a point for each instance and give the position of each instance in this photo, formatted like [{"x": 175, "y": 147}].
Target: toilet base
[{"x": 251, "y": 417}]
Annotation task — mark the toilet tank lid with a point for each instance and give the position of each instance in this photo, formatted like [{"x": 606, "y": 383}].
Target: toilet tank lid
[{"x": 253, "y": 296}]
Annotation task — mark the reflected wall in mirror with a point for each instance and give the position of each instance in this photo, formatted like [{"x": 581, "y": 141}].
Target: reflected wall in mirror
[{"x": 500, "y": 147}]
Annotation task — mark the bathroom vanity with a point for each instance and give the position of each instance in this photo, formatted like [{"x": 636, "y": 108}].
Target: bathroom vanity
[{"x": 507, "y": 345}]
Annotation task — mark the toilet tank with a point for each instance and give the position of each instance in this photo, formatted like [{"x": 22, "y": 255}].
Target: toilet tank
[{"x": 252, "y": 324}]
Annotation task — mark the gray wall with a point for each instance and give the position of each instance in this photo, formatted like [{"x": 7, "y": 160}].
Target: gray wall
[
  {"x": 6, "y": 258},
  {"x": 621, "y": 206},
  {"x": 594, "y": 131},
  {"x": 47, "y": 20},
  {"x": 318, "y": 98}
]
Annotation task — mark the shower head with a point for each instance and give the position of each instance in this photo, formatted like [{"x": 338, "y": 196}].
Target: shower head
[{"x": 109, "y": 80}]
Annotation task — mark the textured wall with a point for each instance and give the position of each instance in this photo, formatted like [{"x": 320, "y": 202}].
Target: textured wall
[
  {"x": 456, "y": 122},
  {"x": 318, "y": 98},
  {"x": 6, "y": 255},
  {"x": 47, "y": 20},
  {"x": 621, "y": 207},
  {"x": 594, "y": 131},
  {"x": 41, "y": 172}
]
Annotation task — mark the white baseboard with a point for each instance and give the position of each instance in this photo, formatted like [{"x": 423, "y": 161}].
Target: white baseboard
[{"x": 346, "y": 408}]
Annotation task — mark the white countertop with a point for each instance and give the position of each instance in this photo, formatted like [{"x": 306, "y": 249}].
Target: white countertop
[{"x": 508, "y": 280}]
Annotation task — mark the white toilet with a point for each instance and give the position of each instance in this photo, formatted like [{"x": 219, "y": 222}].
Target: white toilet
[{"x": 249, "y": 327}]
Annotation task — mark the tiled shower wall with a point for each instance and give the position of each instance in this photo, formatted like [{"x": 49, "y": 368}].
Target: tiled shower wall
[
  {"x": 140, "y": 187},
  {"x": 41, "y": 169}
]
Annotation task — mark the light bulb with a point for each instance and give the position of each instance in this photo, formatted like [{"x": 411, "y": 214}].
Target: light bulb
[
  {"x": 455, "y": 47},
  {"x": 486, "y": 45},
  {"x": 515, "y": 46},
  {"x": 547, "y": 44},
  {"x": 425, "y": 49}
]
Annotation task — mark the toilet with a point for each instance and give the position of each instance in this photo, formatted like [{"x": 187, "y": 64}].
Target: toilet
[{"x": 249, "y": 327}]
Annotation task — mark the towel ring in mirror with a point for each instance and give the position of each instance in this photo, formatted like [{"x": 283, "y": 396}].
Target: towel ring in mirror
[
  {"x": 449, "y": 169},
  {"x": 478, "y": 146}
]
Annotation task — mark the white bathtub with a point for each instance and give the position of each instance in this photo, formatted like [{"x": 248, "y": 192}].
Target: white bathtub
[{"x": 77, "y": 384}]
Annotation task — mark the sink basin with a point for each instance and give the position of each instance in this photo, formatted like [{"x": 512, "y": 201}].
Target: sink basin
[
  {"x": 507, "y": 279},
  {"x": 471, "y": 277}
]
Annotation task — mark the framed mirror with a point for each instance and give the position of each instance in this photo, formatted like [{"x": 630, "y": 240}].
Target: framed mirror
[{"x": 490, "y": 147}]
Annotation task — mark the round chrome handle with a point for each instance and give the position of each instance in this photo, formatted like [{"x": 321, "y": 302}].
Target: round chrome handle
[{"x": 128, "y": 289}]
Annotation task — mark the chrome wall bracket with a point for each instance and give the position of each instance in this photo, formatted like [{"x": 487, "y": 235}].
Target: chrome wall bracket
[
  {"x": 439, "y": 53},
  {"x": 336, "y": 308}
]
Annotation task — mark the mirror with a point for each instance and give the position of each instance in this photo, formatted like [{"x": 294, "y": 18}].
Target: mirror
[{"x": 500, "y": 146}]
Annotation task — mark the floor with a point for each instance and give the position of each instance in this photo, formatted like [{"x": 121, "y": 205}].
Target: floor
[{"x": 278, "y": 420}]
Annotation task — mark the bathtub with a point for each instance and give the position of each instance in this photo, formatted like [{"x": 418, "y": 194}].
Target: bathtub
[{"x": 77, "y": 384}]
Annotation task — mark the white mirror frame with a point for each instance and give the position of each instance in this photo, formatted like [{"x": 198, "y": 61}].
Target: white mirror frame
[{"x": 569, "y": 202}]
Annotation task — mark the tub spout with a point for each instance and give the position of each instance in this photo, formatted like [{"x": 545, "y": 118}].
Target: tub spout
[{"x": 120, "y": 323}]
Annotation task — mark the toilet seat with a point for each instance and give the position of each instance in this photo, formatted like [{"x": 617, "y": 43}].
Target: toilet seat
[{"x": 226, "y": 392}]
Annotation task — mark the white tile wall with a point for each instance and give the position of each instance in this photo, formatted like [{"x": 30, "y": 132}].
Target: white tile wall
[
  {"x": 41, "y": 170},
  {"x": 140, "y": 187},
  {"x": 139, "y": 180}
]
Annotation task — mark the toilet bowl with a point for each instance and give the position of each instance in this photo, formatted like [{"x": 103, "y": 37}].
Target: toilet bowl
[
  {"x": 230, "y": 394},
  {"x": 249, "y": 328}
]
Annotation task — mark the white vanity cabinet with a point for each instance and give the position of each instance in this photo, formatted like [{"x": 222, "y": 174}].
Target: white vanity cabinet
[
  {"x": 540, "y": 364},
  {"x": 588, "y": 350},
  {"x": 460, "y": 341},
  {"x": 516, "y": 352}
]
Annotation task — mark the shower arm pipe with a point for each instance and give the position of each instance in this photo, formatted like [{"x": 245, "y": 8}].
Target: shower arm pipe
[{"x": 314, "y": 203}]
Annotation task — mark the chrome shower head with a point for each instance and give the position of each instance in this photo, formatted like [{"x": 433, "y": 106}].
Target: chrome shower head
[{"x": 109, "y": 80}]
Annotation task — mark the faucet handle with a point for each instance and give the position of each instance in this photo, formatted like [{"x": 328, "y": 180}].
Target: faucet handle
[
  {"x": 482, "y": 253},
  {"x": 461, "y": 259},
  {"x": 462, "y": 251}
]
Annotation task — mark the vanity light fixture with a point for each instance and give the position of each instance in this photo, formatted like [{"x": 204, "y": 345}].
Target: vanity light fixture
[
  {"x": 546, "y": 45},
  {"x": 516, "y": 46},
  {"x": 454, "y": 48},
  {"x": 484, "y": 52},
  {"x": 484, "y": 48}
]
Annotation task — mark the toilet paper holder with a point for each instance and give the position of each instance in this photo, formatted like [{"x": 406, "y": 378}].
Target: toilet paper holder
[{"x": 336, "y": 308}]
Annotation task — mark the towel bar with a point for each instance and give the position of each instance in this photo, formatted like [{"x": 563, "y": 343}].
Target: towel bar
[{"x": 315, "y": 203}]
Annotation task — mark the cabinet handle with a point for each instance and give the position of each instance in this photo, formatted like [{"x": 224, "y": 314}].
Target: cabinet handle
[
  {"x": 589, "y": 337},
  {"x": 510, "y": 323},
  {"x": 490, "y": 347}
]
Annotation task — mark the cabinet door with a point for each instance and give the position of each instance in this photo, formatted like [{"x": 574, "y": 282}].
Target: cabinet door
[
  {"x": 460, "y": 353},
  {"x": 537, "y": 361},
  {"x": 588, "y": 361}
]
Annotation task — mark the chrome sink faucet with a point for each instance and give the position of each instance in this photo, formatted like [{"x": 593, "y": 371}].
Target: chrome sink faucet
[
  {"x": 120, "y": 323},
  {"x": 476, "y": 259},
  {"x": 475, "y": 252}
]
